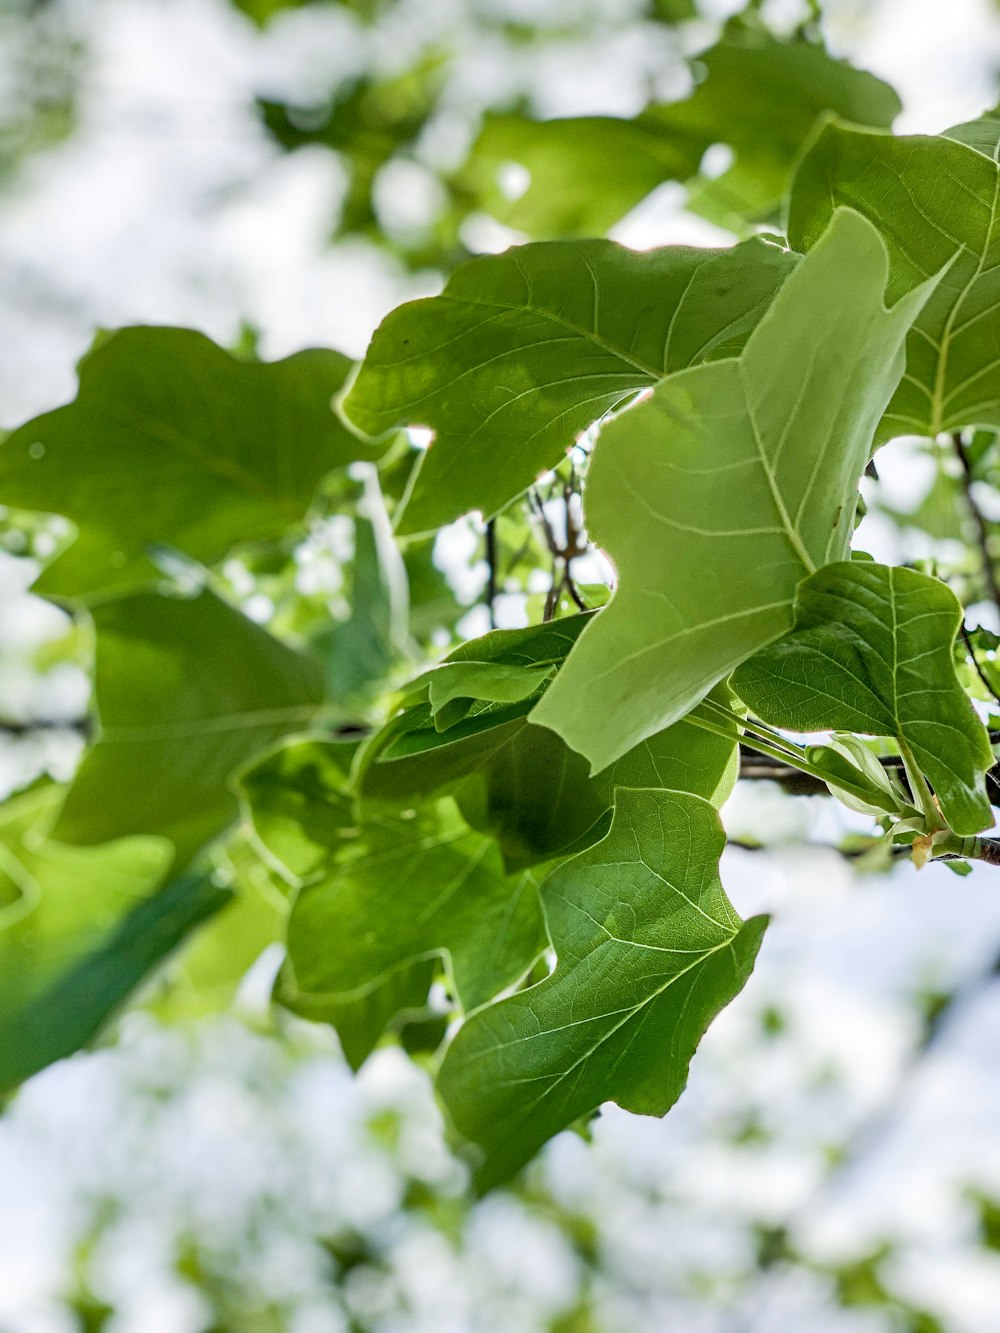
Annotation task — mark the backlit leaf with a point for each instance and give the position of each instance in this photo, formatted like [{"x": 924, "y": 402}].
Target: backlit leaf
[
  {"x": 388, "y": 890},
  {"x": 524, "y": 350},
  {"x": 758, "y": 96},
  {"x": 80, "y": 928},
  {"x": 171, "y": 441},
  {"x": 871, "y": 652},
  {"x": 716, "y": 496},
  {"x": 935, "y": 202},
  {"x": 649, "y": 950},
  {"x": 188, "y": 691},
  {"x": 517, "y": 781}
]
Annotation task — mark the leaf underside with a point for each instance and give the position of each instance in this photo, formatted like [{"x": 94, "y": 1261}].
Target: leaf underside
[
  {"x": 757, "y": 95},
  {"x": 724, "y": 489}
]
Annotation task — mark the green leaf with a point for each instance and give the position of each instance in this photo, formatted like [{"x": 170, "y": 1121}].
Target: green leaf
[
  {"x": 416, "y": 731},
  {"x": 369, "y": 121},
  {"x": 207, "y": 973},
  {"x": 188, "y": 691},
  {"x": 649, "y": 950},
  {"x": 360, "y": 652},
  {"x": 262, "y": 12},
  {"x": 516, "y": 781},
  {"x": 453, "y": 687},
  {"x": 854, "y": 775},
  {"x": 934, "y": 200},
  {"x": 871, "y": 652},
  {"x": 524, "y": 350},
  {"x": 386, "y": 891},
  {"x": 674, "y": 11},
  {"x": 361, "y": 1019},
  {"x": 759, "y": 96},
  {"x": 80, "y": 928},
  {"x": 281, "y": 813},
  {"x": 716, "y": 496},
  {"x": 525, "y": 786},
  {"x": 171, "y": 441}
]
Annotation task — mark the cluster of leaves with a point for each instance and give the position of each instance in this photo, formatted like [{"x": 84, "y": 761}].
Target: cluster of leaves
[
  {"x": 400, "y": 114},
  {"x": 40, "y": 55},
  {"x": 511, "y": 857}
]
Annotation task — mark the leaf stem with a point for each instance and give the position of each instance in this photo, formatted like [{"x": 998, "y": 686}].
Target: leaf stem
[
  {"x": 919, "y": 789},
  {"x": 793, "y": 756}
]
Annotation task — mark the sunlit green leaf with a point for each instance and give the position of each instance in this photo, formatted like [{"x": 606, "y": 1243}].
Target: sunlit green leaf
[
  {"x": 871, "y": 652},
  {"x": 526, "y": 787},
  {"x": 721, "y": 492},
  {"x": 521, "y": 782},
  {"x": 934, "y": 201},
  {"x": 758, "y": 96},
  {"x": 387, "y": 890},
  {"x": 171, "y": 441},
  {"x": 649, "y": 950},
  {"x": 524, "y": 350},
  {"x": 294, "y": 822},
  {"x": 188, "y": 690},
  {"x": 80, "y": 928}
]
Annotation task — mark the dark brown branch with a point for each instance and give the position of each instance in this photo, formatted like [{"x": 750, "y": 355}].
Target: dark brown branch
[{"x": 987, "y": 849}]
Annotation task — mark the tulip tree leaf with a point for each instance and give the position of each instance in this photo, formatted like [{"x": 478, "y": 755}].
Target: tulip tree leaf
[
  {"x": 388, "y": 890},
  {"x": 188, "y": 691},
  {"x": 871, "y": 652},
  {"x": 80, "y": 928},
  {"x": 524, "y": 350},
  {"x": 525, "y": 786},
  {"x": 759, "y": 96},
  {"x": 416, "y": 730},
  {"x": 537, "y": 797},
  {"x": 207, "y": 973},
  {"x": 935, "y": 202},
  {"x": 520, "y": 782},
  {"x": 282, "y": 815},
  {"x": 493, "y": 682},
  {"x": 718, "y": 494},
  {"x": 360, "y": 652},
  {"x": 649, "y": 950},
  {"x": 171, "y": 441},
  {"x": 361, "y": 1018}
]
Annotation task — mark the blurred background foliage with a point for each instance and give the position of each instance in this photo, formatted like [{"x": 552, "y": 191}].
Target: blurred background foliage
[{"x": 281, "y": 174}]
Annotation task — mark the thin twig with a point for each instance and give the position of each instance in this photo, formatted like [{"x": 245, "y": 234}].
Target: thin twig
[
  {"x": 982, "y": 527},
  {"x": 975, "y": 662},
  {"x": 81, "y": 726},
  {"x": 491, "y": 567}
]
